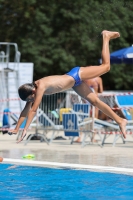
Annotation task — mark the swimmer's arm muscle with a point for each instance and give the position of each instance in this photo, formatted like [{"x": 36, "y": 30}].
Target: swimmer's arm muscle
[
  {"x": 33, "y": 110},
  {"x": 23, "y": 115}
]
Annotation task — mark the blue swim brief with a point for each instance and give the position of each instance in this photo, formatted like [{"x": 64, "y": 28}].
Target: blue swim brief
[{"x": 75, "y": 74}]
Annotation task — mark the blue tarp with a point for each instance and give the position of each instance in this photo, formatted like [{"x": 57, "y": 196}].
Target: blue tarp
[{"x": 124, "y": 55}]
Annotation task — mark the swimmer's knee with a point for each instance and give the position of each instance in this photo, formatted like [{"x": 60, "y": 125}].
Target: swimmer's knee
[
  {"x": 106, "y": 67},
  {"x": 95, "y": 102},
  {"x": 93, "y": 99}
]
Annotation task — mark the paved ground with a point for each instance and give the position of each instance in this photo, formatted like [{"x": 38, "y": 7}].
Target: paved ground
[{"x": 61, "y": 151}]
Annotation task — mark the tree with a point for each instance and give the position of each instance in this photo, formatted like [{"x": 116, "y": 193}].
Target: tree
[{"x": 57, "y": 35}]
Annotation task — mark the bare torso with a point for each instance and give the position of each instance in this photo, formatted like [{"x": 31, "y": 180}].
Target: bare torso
[{"x": 57, "y": 83}]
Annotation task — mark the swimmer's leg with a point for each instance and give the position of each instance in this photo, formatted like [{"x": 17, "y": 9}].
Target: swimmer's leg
[
  {"x": 94, "y": 71},
  {"x": 85, "y": 92}
]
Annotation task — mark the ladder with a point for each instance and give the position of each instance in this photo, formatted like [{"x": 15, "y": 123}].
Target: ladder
[{"x": 9, "y": 75}]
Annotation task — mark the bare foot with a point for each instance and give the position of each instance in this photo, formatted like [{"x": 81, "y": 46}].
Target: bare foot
[
  {"x": 78, "y": 140},
  {"x": 123, "y": 127},
  {"x": 94, "y": 141},
  {"x": 110, "y": 34}
]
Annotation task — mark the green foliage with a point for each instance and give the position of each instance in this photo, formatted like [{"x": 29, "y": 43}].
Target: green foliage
[{"x": 57, "y": 35}]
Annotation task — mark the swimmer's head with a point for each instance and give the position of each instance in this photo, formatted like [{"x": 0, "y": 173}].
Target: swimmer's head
[{"x": 27, "y": 92}]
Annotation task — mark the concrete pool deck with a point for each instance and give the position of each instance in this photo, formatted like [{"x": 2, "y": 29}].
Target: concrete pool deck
[{"x": 63, "y": 152}]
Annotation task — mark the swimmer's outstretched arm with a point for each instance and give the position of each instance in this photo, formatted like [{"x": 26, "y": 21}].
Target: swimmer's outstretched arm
[
  {"x": 22, "y": 117},
  {"x": 33, "y": 110}
]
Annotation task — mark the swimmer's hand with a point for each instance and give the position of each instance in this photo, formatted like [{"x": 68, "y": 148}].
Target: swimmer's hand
[
  {"x": 12, "y": 131},
  {"x": 22, "y": 137}
]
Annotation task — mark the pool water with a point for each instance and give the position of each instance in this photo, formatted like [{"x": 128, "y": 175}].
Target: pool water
[{"x": 28, "y": 182}]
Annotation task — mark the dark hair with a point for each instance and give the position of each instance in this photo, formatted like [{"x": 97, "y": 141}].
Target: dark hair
[{"x": 25, "y": 90}]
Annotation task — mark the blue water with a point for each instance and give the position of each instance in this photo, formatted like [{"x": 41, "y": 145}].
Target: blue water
[{"x": 26, "y": 182}]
